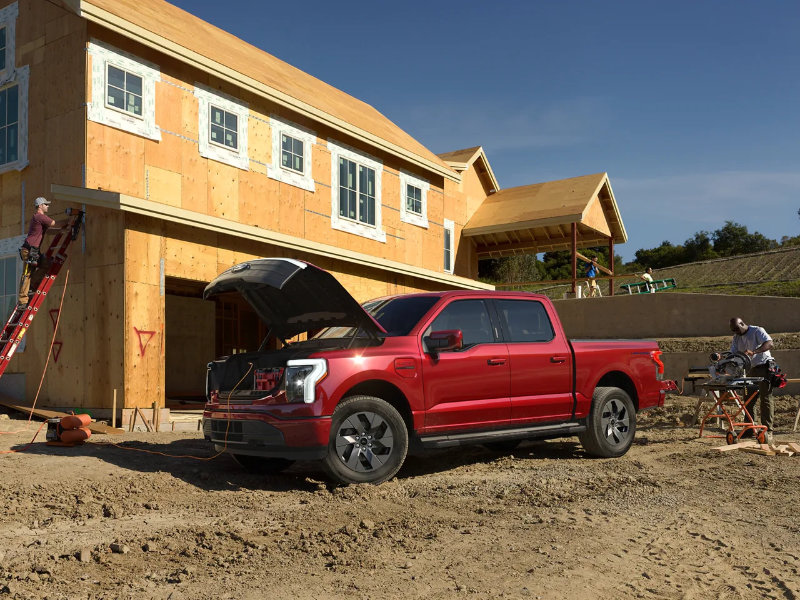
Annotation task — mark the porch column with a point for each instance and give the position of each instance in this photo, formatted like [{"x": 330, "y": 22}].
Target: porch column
[
  {"x": 574, "y": 258},
  {"x": 611, "y": 265}
]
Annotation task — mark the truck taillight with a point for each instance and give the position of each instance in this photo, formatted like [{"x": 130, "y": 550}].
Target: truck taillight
[{"x": 655, "y": 356}]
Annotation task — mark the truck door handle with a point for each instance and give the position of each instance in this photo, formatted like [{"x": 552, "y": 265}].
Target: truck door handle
[
  {"x": 496, "y": 361},
  {"x": 558, "y": 359}
]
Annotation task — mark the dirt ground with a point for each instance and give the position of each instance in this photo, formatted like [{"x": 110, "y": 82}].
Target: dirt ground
[{"x": 671, "y": 519}]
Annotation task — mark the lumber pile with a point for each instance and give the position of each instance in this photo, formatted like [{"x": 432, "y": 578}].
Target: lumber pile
[{"x": 753, "y": 447}]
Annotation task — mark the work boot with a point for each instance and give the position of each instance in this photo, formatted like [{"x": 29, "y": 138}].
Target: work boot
[{"x": 769, "y": 438}]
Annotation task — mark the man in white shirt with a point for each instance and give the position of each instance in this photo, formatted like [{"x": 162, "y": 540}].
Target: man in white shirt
[
  {"x": 648, "y": 278},
  {"x": 756, "y": 343}
]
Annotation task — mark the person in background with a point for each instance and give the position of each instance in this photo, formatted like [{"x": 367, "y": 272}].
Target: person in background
[
  {"x": 756, "y": 343},
  {"x": 648, "y": 279},
  {"x": 34, "y": 262},
  {"x": 591, "y": 274}
]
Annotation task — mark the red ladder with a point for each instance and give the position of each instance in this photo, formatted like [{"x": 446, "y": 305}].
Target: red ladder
[{"x": 21, "y": 318}]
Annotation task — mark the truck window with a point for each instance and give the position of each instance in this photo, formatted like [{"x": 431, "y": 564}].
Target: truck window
[
  {"x": 470, "y": 316},
  {"x": 525, "y": 320}
]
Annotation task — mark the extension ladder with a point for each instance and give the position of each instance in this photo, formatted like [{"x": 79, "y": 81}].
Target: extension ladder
[{"x": 21, "y": 318}]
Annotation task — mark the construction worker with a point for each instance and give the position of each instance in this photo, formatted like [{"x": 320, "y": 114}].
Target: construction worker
[
  {"x": 647, "y": 276},
  {"x": 35, "y": 263},
  {"x": 756, "y": 343}
]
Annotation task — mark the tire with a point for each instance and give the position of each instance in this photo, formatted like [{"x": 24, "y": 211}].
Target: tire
[
  {"x": 262, "y": 465},
  {"x": 611, "y": 424},
  {"x": 730, "y": 438},
  {"x": 502, "y": 445},
  {"x": 368, "y": 441}
]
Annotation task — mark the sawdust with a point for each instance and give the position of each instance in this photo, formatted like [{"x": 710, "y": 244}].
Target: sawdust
[{"x": 671, "y": 519}]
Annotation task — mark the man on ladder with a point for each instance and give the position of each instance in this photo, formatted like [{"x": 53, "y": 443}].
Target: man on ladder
[{"x": 34, "y": 263}]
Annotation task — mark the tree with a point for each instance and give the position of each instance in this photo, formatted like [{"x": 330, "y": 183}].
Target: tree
[
  {"x": 665, "y": 255},
  {"x": 733, "y": 238},
  {"x": 699, "y": 247}
]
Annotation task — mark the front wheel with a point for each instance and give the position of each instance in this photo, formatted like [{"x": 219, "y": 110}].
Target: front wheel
[
  {"x": 611, "y": 424},
  {"x": 368, "y": 441}
]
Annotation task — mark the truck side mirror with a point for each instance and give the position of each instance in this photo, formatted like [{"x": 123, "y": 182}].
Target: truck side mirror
[{"x": 442, "y": 341}]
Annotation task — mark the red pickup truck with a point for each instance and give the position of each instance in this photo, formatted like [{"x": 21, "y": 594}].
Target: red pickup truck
[{"x": 427, "y": 370}]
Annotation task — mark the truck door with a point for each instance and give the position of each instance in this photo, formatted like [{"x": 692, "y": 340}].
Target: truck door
[
  {"x": 540, "y": 362},
  {"x": 466, "y": 388}
]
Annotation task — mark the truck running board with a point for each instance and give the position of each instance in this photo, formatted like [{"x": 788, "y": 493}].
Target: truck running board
[{"x": 518, "y": 433}]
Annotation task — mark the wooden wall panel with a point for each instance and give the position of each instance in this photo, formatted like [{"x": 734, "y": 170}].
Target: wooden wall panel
[
  {"x": 164, "y": 186},
  {"x": 259, "y": 144},
  {"x": 194, "y": 179},
  {"x": 223, "y": 190},
  {"x": 115, "y": 160},
  {"x": 144, "y": 345},
  {"x": 167, "y": 153},
  {"x": 189, "y": 346}
]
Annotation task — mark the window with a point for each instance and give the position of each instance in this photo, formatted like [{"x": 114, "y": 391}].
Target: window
[
  {"x": 10, "y": 272},
  {"x": 525, "y": 320},
  {"x": 123, "y": 91},
  {"x": 291, "y": 154},
  {"x": 2, "y": 48},
  {"x": 9, "y": 124},
  {"x": 223, "y": 127},
  {"x": 413, "y": 200},
  {"x": 8, "y": 42},
  {"x": 449, "y": 227},
  {"x": 469, "y": 316},
  {"x": 355, "y": 192}
]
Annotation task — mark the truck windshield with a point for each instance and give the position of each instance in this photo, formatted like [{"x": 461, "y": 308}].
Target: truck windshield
[{"x": 396, "y": 315}]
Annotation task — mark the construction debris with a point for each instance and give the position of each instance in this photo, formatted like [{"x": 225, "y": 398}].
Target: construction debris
[{"x": 753, "y": 447}]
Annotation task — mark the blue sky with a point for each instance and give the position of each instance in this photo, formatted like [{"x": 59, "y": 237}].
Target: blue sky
[{"x": 692, "y": 107}]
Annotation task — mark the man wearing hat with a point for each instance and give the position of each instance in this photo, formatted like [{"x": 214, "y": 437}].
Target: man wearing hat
[{"x": 35, "y": 264}]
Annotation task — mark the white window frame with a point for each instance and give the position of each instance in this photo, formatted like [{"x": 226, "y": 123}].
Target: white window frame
[
  {"x": 304, "y": 180},
  {"x": 21, "y": 80},
  {"x": 451, "y": 227},
  {"x": 407, "y": 216},
  {"x": 100, "y": 112},
  {"x": 373, "y": 232},
  {"x": 211, "y": 150},
  {"x": 225, "y": 112},
  {"x": 8, "y": 19},
  {"x": 105, "y": 95},
  {"x": 9, "y": 248}
]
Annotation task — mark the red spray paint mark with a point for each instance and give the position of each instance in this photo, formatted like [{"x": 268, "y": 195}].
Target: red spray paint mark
[
  {"x": 57, "y": 350},
  {"x": 54, "y": 316},
  {"x": 143, "y": 344}
]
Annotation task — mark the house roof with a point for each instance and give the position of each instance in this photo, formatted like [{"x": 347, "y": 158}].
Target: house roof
[
  {"x": 177, "y": 33},
  {"x": 539, "y": 217},
  {"x": 461, "y": 160}
]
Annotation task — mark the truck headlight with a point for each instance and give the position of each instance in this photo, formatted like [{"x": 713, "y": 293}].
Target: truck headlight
[{"x": 301, "y": 378}]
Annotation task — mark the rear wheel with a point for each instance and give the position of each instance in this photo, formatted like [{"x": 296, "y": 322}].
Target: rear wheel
[
  {"x": 368, "y": 441},
  {"x": 262, "y": 465},
  {"x": 611, "y": 424}
]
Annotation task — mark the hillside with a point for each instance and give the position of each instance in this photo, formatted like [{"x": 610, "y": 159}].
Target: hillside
[{"x": 770, "y": 273}]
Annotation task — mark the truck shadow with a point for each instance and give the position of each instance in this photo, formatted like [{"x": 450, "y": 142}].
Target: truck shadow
[{"x": 190, "y": 460}]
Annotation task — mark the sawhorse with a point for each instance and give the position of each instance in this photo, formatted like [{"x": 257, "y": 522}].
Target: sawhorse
[{"x": 732, "y": 393}]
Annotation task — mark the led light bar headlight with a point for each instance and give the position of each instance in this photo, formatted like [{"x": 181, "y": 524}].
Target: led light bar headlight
[{"x": 301, "y": 378}]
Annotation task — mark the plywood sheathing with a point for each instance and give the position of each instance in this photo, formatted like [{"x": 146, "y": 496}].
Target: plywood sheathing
[
  {"x": 538, "y": 217},
  {"x": 183, "y": 36}
]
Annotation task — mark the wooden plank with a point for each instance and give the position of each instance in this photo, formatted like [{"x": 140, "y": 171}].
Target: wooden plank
[
  {"x": 94, "y": 427},
  {"x": 759, "y": 451},
  {"x": 794, "y": 447},
  {"x": 146, "y": 422},
  {"x": 738, "y": 446}
]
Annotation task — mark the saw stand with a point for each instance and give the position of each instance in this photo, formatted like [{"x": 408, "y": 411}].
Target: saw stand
[{"x": 731, "y": 404}]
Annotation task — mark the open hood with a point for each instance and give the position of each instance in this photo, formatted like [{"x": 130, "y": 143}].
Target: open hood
[{"x": 292, "y": 296}]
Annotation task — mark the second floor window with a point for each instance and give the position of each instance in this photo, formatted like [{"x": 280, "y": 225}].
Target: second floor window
[
  {"x": 123, "y": 91},
  {"x": 449, "y": 227},
  {"x": 356, "y": 192},
  {"x": 224, "y": 128},
  {"x": 413, "y": 199},
  {"x": 2, "y": 48},
  {"x": 9, "y": 124},
  {"x": 291, "y": 153}
]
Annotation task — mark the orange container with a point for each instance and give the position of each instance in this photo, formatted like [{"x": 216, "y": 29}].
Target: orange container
[
  {"x": 75, "y": 421},
  {"x": 71, "y": 436}
]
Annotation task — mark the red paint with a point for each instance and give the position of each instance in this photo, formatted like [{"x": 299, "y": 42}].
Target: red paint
[{"x": 148, "y": 336}]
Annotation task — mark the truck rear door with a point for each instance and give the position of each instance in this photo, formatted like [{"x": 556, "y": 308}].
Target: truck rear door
[{"x": 540, "y": 362}]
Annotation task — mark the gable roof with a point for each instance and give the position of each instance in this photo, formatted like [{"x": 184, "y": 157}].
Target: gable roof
[
  {"x": 461, "y": 160},
  {"x": 538, "y": 217},
  {"x": 169, "y": 29}
]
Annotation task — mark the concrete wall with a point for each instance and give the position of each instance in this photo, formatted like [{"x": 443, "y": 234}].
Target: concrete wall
[{"x": 674, "y": 315}]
